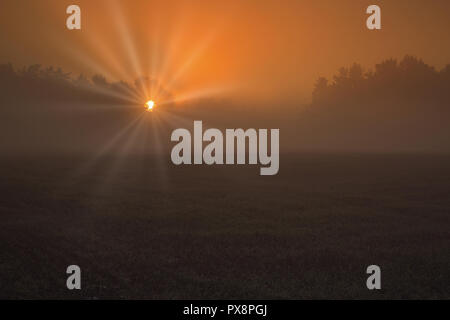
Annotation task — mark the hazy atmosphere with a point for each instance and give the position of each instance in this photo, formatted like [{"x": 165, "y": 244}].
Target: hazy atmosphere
[
  {"x": 86, "y": 118},
  {"x": 267, "y": 52}
]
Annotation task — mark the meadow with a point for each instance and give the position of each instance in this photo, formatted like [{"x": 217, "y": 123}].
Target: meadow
[{"x": 142, "y": 228}]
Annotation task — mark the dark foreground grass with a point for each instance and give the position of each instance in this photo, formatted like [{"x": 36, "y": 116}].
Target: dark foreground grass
[{"x": 141, "y": 228}]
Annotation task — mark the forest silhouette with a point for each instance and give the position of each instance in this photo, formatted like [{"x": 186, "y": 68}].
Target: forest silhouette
[
  {"x": 409, "y": 80},
  {"x": 398, "y": 106},
  {"x": 37, "y": 83}
]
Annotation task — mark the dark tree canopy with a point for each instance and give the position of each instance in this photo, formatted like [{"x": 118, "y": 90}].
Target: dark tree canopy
[{"x": 409, "y": 81}]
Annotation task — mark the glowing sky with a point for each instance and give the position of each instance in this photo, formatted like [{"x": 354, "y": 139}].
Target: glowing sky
[{"x": 257, "y": 50}]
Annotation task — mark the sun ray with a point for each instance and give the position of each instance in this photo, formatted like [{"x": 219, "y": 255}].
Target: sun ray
[
  {"x": 195, "y": 54},
  {"x": 154, "y": 61},
  {"x": 198, "y": 94},
  {"x": 81, "y": 57},
  {"x": 86, "y": 60},
  {"x": 126, "y": 37},
  {"x": 170, "y": 51},
  {"x": 158, "y": 155},
  {"x": 173, "y": 120},
  {"x": 122, "y": 154},
  {"x": 109, "y": 92},
  {"x": 153, "y": 85},
  {"x": 105, "y": 149}
]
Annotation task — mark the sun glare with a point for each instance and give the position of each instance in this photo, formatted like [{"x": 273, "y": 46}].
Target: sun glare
[{"x": 150, "y": 104}]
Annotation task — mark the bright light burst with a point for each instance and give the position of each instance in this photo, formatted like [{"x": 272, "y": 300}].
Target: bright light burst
[
  {"x": 150, "y": 104},
  {"x": 157, "y": 81}
]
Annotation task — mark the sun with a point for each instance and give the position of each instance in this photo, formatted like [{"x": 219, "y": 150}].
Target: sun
[{"x": 149, "y": 105}]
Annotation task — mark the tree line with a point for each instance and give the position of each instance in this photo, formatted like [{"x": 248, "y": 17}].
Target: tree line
[{"x": 409, "y": 81}]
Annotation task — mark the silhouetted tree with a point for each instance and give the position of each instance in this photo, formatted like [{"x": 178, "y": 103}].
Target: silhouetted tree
[
  {"x": 53, "y": 84},
  {"x": 407, "y": 100}
]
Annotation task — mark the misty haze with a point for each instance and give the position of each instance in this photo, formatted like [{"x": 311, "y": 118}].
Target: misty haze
[{"x": 86, "y": 173}]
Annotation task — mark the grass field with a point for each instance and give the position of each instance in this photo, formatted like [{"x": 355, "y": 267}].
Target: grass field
[{"x": 141, "y": 228}]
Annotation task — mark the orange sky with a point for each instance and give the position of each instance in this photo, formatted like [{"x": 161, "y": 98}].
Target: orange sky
[{"x": 256, "y": 50}]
